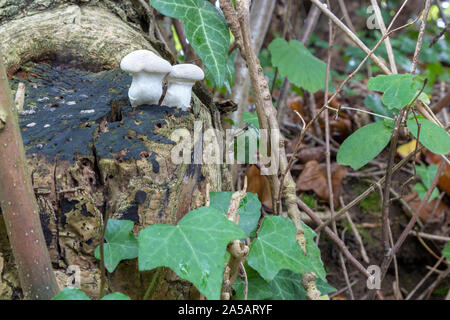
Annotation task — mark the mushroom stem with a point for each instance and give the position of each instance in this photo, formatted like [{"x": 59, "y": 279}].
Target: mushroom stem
[
  {"x": 145, "y": 88},
  {"x": 179, "y": 94}
]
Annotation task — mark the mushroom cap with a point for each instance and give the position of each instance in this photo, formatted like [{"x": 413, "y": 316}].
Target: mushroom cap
[
  {"x": 144, "y": 61},
  {"x": 186, "y": 72}
]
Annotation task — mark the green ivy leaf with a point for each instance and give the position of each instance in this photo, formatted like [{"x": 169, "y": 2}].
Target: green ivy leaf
[
  {"x": 286, "y": 285},
  {"x": 116, "y": 296},
  {"x": 324, "y": 287},
  {"x": 433, "y": 137},
  {"x": 296, "y": 63},
  {"x": 446, "y": 252},
  {"x": 249, "y": 209},
  {"x": 121, "y": 243},
  {"x": 364, "y": 145},
  {"x": 313, "y": 252},
  {"x": 206, "y": 30},
  {"x": 374, "y": 103},
  {"x": 71, "y": 293},
  {"x": 195, "y": 249},
  {"x": 258, "y": 288},
  {"x": 399, "y": 89},
  {"x": 276, "y": 248}
]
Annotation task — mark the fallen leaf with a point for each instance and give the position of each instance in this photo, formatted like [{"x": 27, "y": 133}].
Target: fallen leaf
[
  {"x": 260, "y": 185},
  {"x": 444, "y": 180},
  {"x": 314, "y": 177},
  {"x": 306, "y": 154},
  {"x": 405, "y": 149},
  {"x": 340, "y": 128},
  {"x": 309, "y": 154},
  {"x": 414, "y": 201}
]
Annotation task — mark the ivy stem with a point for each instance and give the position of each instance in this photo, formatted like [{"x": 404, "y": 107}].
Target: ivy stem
[{"x": 152, "y": 284}]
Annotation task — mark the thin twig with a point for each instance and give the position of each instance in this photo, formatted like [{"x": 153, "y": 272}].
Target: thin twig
[
  {"x": 335, "y": 239},
  {"x": 388, "y": 258},
  {"x": 356, "y": 234},
  {"x": 351, "y": 35},
  {"x": 422, "y": 281},
  {"x": 433, "y": 286},
  {"x": 327, "y": 146},
  {"x": 342, "y": 85},
  {"x": 387, "y": 42},
  {"x": 389, "y": 253},
  {"x": 369, "y": 190}
]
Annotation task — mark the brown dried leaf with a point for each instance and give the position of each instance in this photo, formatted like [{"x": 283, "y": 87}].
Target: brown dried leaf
[
  {"x": 414, "y": 201},
  {"x": 309, "y": 154},
  {"x": 314, "y": 177},
  {"x": 260, "y": 185}
]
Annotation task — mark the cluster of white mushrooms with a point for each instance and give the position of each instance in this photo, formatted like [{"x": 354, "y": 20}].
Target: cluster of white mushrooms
[{"x": 149, "y": 70}]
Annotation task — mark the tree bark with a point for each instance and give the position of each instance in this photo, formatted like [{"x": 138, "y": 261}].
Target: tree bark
[{"x": 91, "y": 154}]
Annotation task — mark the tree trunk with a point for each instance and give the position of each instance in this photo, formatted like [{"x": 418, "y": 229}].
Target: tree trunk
[{"x": 90, "y": 153}]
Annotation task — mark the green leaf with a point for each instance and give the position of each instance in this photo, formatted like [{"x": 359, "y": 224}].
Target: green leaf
[
  {"x": 374, "y": 103},
  {"x": 249, "y": 209},
  {"x": 121, "y": 243},
  {"x": 324, "y": 287},
  {"x": 116, "y": 296},
  {"x": 364, "y": 145},
  {"x": 296, "y": 63},
  {"x": 276, "y": 248},
  {"x": 427, "y": 174},
  {"x": 71, "y": 293},
  {"x": 258, "y": 288},
  {"x": 206, "y": 30},
  {"x": 422, "y": 191},
  {"x": 433, "y": 137},
  {"x": 399, "y": 89},
  {"x": 313, "y": 252},
  {"x": 446, "y": 252},
  {"x": 195, "y": 249},
  {"x": 286, "y": 285},
  {"x": 251, "y": 118}
]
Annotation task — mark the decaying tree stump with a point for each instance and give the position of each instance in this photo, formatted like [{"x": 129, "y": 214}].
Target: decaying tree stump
[{"x": 90, "y": 153}]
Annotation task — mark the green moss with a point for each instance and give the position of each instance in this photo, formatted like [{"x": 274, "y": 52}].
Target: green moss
[
  {"x": 309, "y": 200},
  {"x": 372, "y": 203}
]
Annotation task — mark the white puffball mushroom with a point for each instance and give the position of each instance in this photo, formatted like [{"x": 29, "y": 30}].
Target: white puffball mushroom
[
  {"x": 148, "y": 71},
  {"x": 180, "y": 82}
]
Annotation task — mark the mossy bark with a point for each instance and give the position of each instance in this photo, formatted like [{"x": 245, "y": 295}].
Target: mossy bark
[{"x": 91, "y": 154}]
